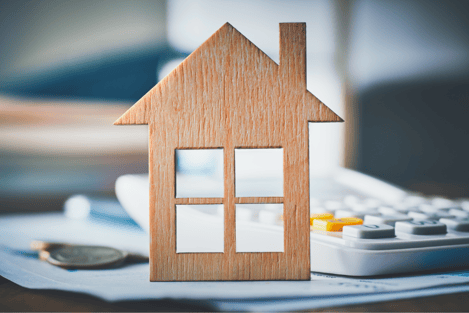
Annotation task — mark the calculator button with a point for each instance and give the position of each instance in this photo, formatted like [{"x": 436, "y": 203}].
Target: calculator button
[
  {"x": 430, "y": 216},
  {"x": 459, "y": 213},
  {"x": 402, "y": 207},
  {"x": 386, "y": 219},
  {"x": 427, "y": 208},
  {"x": 441, "y": 203},
  {"x": 388, "y": 211},
  {"x": 351, "y": 199},
  {"x": 335, "y": 224},
  {"x": 360, "y": 208},
  {"x": 372, "y": 203},
  {"x": 425, "y": 227},
  {"x": 414, "y": 200},
  {"x": 333, "y": 205},
  {"x": 457, "y": 224},
  {"x": 464, "y": 204},
  {"x": 348, "y": 213},
  {"x": 369, "y": 231},
  {"x": 320, "y": 216}
]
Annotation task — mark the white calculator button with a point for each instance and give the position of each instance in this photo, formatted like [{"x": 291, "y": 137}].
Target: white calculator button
[
  {"x": 413, "y": 209},
  {"x": 360, "y": 208},
  {"x": 459, "y": 213},
  {"x": 430, "y": 216},
  {"x": 386, "y": 219},
  {"x": 414, "y": 200},
  {"x": 427, "y": 208},
  {"x": 457, "y": 224},
  {"x": 464, "y": 204},
  {"x": 442, "y": 202},
  {"x": 333, "y": 205},
  {"x": 369, "y": 231},
  {"x": 387, "y": 210},
  {"x": 372, "y": 203},
  {"x": 351, "y": 199},
  {"x": 348, "y": 213},
  {"x": 424, "y": 227}
]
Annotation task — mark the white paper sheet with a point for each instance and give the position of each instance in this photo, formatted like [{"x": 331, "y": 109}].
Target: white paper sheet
[{"x": 20, "y": 265}]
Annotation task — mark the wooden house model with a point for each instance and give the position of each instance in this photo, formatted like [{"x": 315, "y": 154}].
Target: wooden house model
[{"x": 229, "y": 94}]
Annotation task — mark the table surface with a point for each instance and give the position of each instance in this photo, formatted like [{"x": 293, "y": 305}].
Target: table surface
[{"x": 15, "y": 298}]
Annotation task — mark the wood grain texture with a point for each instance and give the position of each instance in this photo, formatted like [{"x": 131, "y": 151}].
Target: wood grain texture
[
  {"x": 230, "y": 94},
  {"x": 246, "y": 200},
  {"x": 199, "y": 200}
]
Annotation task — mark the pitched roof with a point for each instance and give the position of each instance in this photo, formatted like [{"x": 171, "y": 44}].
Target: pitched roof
[{"x": 216, "y": 54}]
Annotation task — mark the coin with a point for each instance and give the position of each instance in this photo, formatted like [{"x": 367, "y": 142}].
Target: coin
[
  {"x": 39, "y": 245},
  {"x": 44, "y": 255},
  {"x": 86, "y": 257},
  {"x": 136, "y": 258}
]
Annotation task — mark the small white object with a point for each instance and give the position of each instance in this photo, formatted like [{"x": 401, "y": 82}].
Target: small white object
[
  {"x": 442, "y": 203},
  {"x": 360, "y": 208},
  {"x": 464, "y": 204},
  {"x": 348, "y": 213},
  {"x": 372, "y": 203},
  {"x": 430, "y": 216},
  {"x": 77, "y": 207},
  {"x": 421, "y": 227},
  {"x": 404, "y": 207},
  {"x": 459, "y": 213},
  {"x": 388, "y": 211},
  {"x": 415, "y": 200},
  {"x": 457, "y": 224},
  {"x": 386, "y": 219},
  {"x": 428, "y": 208}
]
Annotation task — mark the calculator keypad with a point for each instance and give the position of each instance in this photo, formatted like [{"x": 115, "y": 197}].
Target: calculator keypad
[{"x": 414, "y": 222}]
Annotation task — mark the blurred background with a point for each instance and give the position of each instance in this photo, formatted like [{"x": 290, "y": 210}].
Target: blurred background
[{"x": 396, "y": 71}]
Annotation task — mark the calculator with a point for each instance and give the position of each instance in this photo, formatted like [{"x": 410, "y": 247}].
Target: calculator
[
  {"x": 360, "y": 225},
  {"x": 371, "y": 228}
]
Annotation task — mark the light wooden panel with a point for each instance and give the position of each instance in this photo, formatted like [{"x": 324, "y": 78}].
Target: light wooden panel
[
  {"x": 199, "y": 200},
  {"x": 229, "y": 94},
  {"x": 247, "y": 200}
]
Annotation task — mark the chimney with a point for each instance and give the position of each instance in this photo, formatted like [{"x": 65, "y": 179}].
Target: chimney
[{"x": 293, "y": 54}]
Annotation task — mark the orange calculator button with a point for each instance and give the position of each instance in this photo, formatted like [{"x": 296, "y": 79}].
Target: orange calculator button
[
  {"x": 335, "y": 224},
  {"x": 320, "y": 216}
]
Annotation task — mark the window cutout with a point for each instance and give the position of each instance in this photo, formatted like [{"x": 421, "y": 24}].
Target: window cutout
[
  {"x": 261, "y": 230},
  {"x": 259, "y": 172},
  {"x": 199, "y": 173},
  {"x": 199, "y": 228}
]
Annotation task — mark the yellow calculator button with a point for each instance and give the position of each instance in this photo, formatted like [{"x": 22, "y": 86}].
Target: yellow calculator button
[
  {"x": 335, "y": 224},
  {"x": 320, "y": 216}
]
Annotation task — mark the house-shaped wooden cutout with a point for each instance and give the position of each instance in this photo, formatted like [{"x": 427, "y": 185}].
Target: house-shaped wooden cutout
[{"x": 229, "y": 94}]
